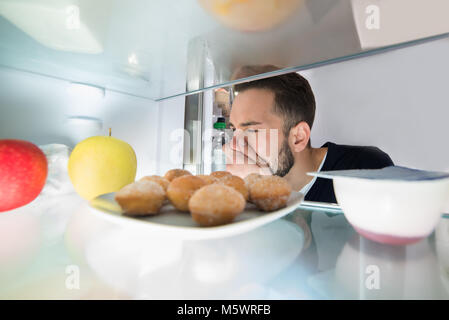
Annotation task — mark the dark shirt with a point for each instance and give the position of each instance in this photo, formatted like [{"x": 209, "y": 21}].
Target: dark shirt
[{"x": 342, "y": 157}]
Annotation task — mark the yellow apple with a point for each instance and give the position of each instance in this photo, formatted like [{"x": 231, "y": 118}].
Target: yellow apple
[{"x": 100, "y": 165}]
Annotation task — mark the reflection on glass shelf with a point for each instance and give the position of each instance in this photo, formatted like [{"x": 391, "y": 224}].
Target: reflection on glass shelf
[
  {"x": 156, "y": 49},
  {"x": 333, "y": 208},
  {"x": 321, "y": 206}
]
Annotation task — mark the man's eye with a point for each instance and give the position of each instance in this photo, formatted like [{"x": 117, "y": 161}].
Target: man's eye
[{"x": 252, "y": 130}]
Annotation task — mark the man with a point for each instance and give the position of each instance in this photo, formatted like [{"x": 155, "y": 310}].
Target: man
[{"x": 272, "y": 119}]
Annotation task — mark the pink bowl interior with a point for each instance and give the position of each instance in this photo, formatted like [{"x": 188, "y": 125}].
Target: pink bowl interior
[{"x": 387, "y": 239}]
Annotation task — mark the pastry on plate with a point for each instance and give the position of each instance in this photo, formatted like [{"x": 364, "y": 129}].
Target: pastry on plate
[
  {"x": 237, "y": 183},
  {"x": 220, "y": 174},
  {"x": 216, "y": 204},
  {"x": 269, "y": 193},
  {"x": 158, "y": 179},
  {"x": 141, "y": 198},
  {"x": 251, "y": 178},
  {"x": 181, "y": 189},
  {"x": 175, "y": 173},
  {"x": 208, "y": 179}
]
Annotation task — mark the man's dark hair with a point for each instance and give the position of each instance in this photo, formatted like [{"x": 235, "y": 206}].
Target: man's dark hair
[{"x": 293, "y": 98}]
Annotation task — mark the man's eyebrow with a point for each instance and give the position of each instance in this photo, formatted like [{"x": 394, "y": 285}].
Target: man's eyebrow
[
  {"x": 250, "y": 123},
  {"x": 246, "y": 124}
]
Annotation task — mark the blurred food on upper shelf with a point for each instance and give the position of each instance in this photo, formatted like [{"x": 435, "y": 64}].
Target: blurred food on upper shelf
[
  {"x": 66, "y": 25},
  {"x": 135, "y": 47},
  {"x": 251, "y": 15},
  {"x": 252, "y": 70}
]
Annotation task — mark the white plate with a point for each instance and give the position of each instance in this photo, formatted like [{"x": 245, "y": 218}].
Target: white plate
[{"x": 173, "y": 223}]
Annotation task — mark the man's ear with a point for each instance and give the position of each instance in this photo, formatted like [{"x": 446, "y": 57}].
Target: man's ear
[{"x": 299, "y": 136}]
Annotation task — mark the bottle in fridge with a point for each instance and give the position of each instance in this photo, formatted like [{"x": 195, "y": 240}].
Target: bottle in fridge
[{"x": 218, "y": 140}]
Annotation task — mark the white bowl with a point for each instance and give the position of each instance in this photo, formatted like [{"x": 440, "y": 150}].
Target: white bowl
[{"x": 392, "y": 211}]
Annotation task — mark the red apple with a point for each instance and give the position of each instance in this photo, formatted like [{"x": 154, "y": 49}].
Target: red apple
[{"x": 23, "y": 171}]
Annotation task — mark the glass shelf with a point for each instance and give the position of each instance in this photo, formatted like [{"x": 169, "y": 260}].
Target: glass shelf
[
  {"x": 61, "y": 251},
  {"x": 161, "y": 49}
]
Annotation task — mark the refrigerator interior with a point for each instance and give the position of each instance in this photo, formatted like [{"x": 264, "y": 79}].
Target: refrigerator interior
[
  {"x": 133, "y": 78},
  {"x": 152, "y": 48},
  {"x": 44, "y": 111},
  {"x": 396, "y": 101}
]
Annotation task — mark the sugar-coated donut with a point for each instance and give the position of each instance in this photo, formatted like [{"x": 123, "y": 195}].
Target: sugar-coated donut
[
  {"x": 181, "y": 189},
  {"x": 141, "y": 198},
  {"x": 237, "y": 183},
  {"x": 158, "y": 179},
  {"x": 270, "y": 193},
  {"x": 174, "y": 173},
  {"x": 208, "y": 179},
  {"x": 220, "y": 174},
  {"x": 216, "y": 204},
  {"x": 249, "y": 179}
]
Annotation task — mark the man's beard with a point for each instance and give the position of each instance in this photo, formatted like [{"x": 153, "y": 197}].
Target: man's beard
[{"x": 285, "y": 160}]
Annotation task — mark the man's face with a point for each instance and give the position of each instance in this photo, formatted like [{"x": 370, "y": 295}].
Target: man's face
[{"x": 258, "y": 131}]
